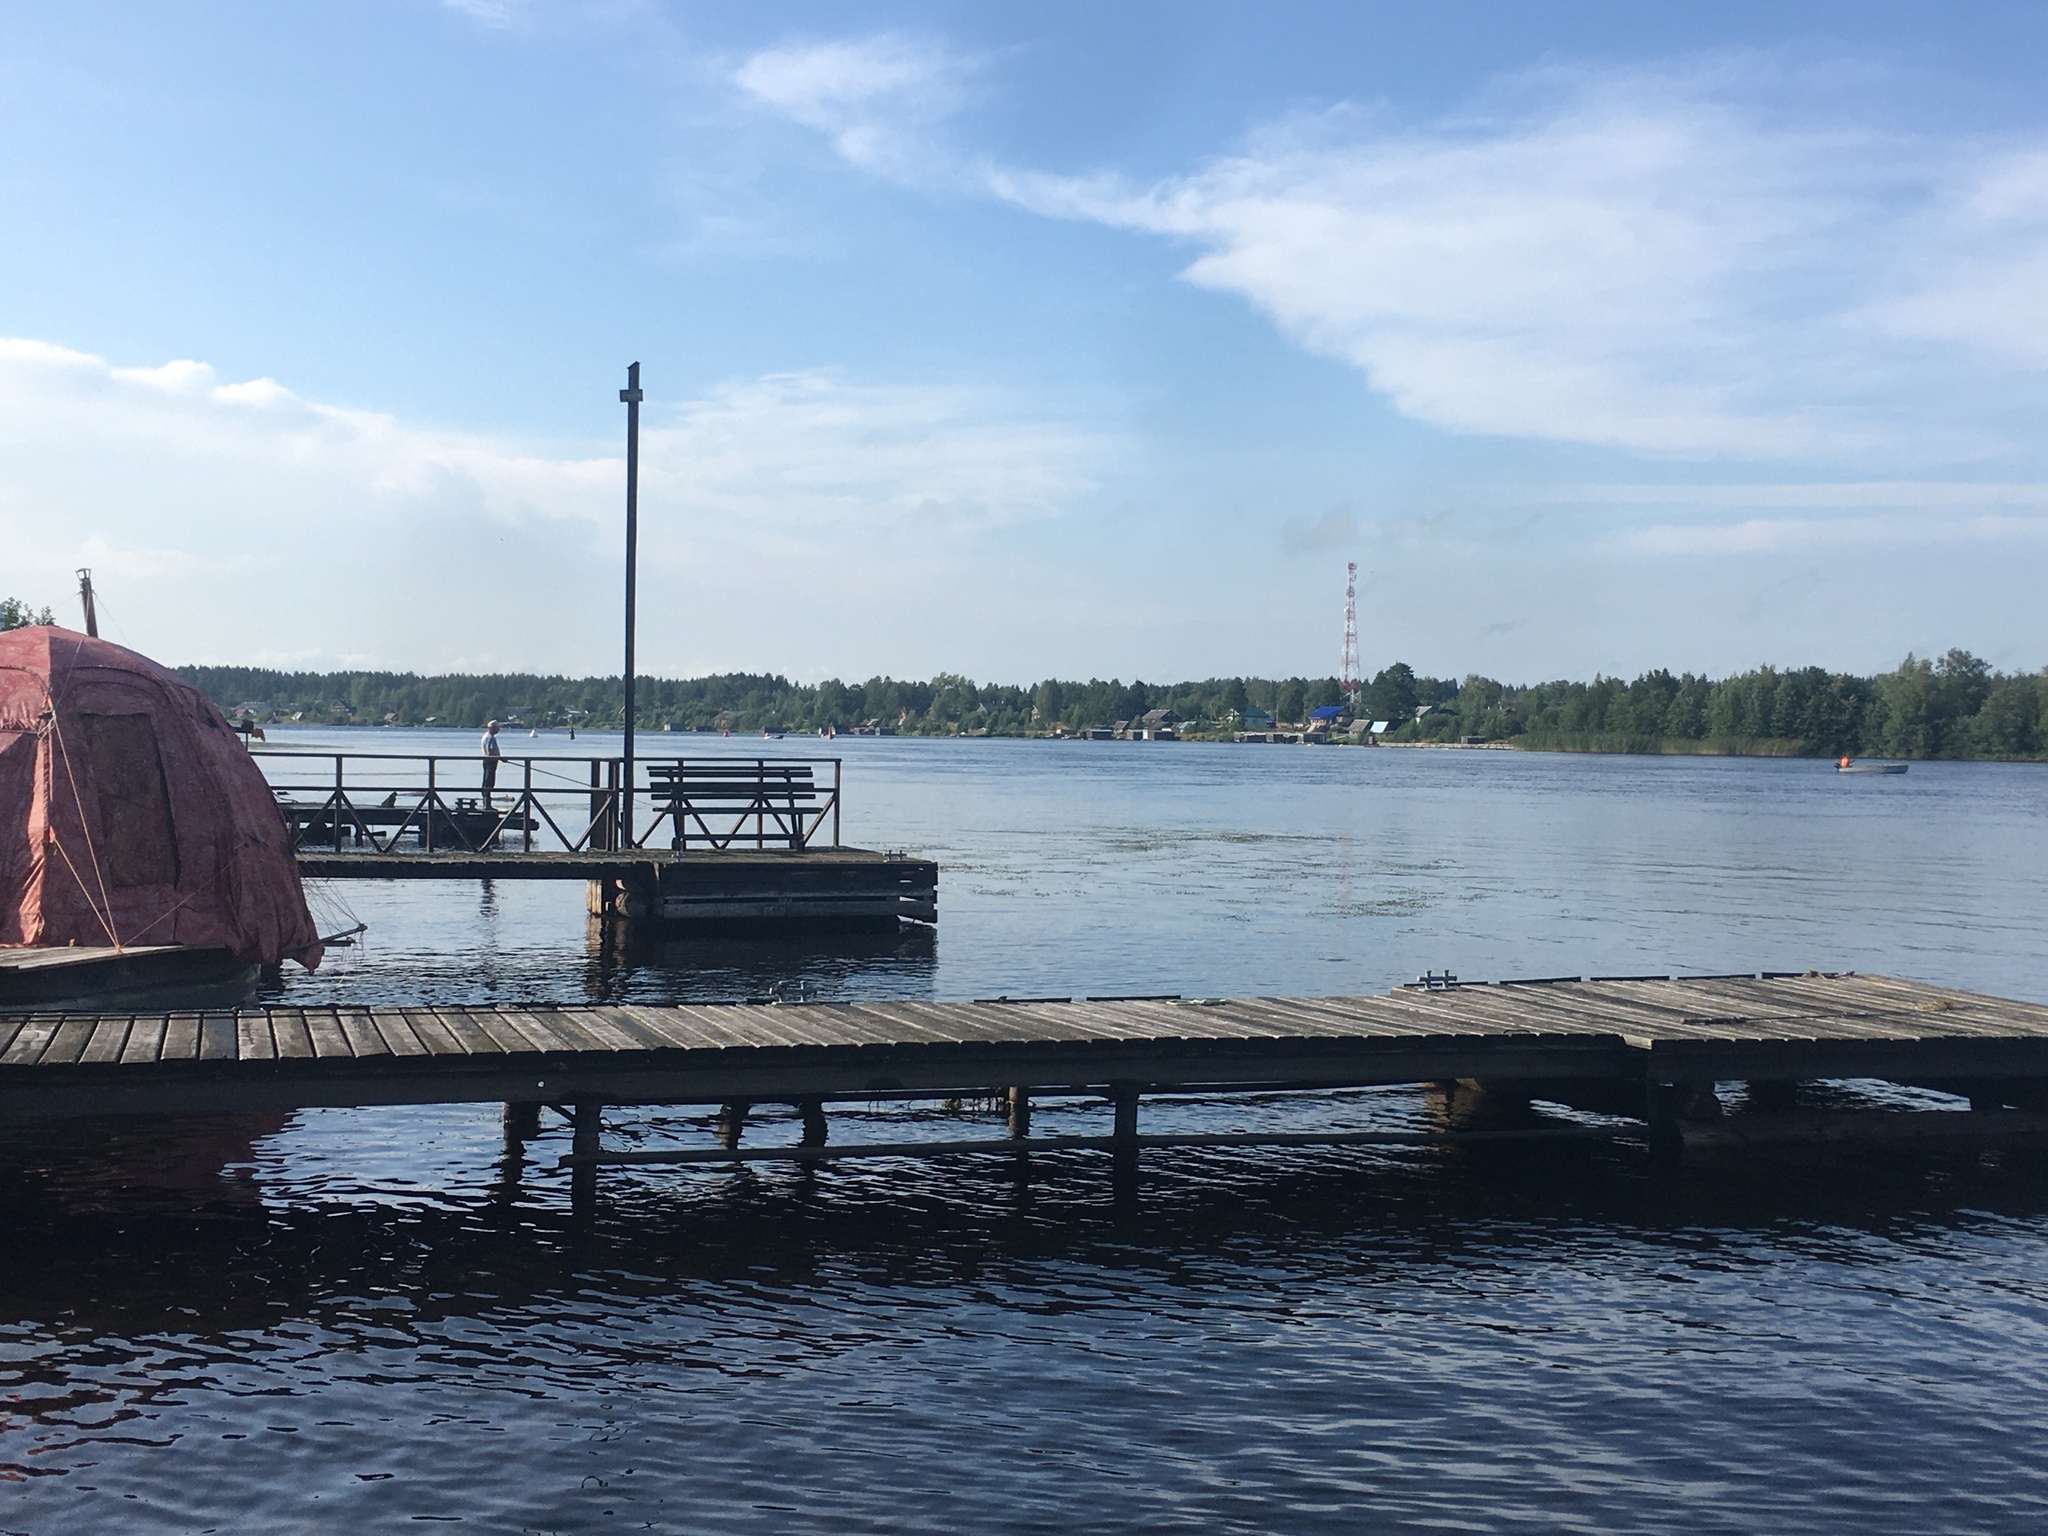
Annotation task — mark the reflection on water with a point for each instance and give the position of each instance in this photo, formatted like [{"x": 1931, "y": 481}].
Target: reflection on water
[
  {"x": 1549, "y": 1338},
  {"x": 358, "y": 1321}
]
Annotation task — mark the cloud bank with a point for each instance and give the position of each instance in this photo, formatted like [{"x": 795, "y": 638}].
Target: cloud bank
[{"x": 241, "y": 521}]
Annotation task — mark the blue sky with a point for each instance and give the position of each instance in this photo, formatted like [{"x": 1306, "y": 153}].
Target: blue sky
[{"x": 1031, "y": 339}]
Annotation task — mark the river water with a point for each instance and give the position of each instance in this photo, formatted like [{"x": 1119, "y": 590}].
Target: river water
[{"x": 357, "y": 1321}]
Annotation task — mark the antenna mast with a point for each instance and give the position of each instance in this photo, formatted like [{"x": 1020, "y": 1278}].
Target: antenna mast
[
  {"x": 92, "y": 616},
  {"x": 1349, "y": 680}
]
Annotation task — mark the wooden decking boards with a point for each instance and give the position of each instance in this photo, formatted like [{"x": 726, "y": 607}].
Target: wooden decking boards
[{"x": 1646, "y": 1031}]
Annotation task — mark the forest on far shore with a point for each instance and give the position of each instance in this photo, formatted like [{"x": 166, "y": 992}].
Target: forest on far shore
[{"x": 1954, "y": 706}]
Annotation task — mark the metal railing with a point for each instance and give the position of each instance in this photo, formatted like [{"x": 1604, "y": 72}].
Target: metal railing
[{"x": 390, "y": 802}]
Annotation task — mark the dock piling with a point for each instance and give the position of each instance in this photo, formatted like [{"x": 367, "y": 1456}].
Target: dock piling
[
  {"x": 1124, "y": 1130},
  {"x": 522, "y": 1124},
  {"x": 816, "y": 1130},
  {"x": 732, "y": 1122}
]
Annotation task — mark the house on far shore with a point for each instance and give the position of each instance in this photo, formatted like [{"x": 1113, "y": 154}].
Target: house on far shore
[
  {"x": 1253, "y": 718},
  {"x": 1156, "y": 725}
]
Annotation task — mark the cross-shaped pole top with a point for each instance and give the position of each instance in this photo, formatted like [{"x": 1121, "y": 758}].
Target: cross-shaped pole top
[{"x": 630, "y": 395}]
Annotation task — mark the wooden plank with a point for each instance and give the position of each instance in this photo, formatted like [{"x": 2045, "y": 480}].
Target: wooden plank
[
  {"x": 686, "y": 1029},
  {"x": 541, "y": 1034},
  {"x": 464, "y": 1031},
  {"x": 9, "y": 1028},
  {"x": 1755, "y": 1009},
  {"x": 397, "y": 1033},
  {"x": 1518, "y": 1011},
  {"x": 145, "y": 1039},
  {"x": 899, "y": 1029},
  {"x": 855, "y": 1025},
  {"x": 627, "y": 1021},
  {"x": 1570, "y": 1008},
  {"x": 1126, "y": 1021},
  {"x": 774, "y": 1025},
  {"x": 109, "y": 1034},
  {"x": 1340, "y": 1017},
  {"x": 330, "y": 1043},
  {"x": 29, "y": 1044},
  {"x": 253, "y": 1039},
  {"x": 218, "y": 1037},
  {"x": 181, "y": 1038},
  {"x": 364, "y": 1042},
  {"x": 668, "y": 1025},
  {"x": 617, "y": 1033},
  {"x": 73, "y": 1030},
  {"x": 486, "y": 1022},
  {"x": 1913, "y": 1006},
  {"x": 428, "y": 1028},
  {"x": 1248, "y": 1018},
  {"x": 2032, "y": 1016},
  {"x": 1313, "y": 1017},
  {"x": 591, "y": 1032},
  {"x": 849, "y": 1024},
  {"x": 288, "y": 1029}
]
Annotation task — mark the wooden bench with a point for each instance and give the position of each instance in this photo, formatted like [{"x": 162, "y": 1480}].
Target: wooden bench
[{"x": 780, "y": 799}]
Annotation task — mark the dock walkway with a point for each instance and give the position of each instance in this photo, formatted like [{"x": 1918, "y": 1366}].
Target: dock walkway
[{"x": 1551, "y": 1038}]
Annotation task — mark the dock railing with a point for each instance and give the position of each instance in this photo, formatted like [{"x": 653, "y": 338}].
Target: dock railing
[{"x": 388, "y": 802}]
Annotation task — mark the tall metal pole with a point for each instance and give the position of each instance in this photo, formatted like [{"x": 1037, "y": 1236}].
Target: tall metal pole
[{"x": 631, "y": 396}]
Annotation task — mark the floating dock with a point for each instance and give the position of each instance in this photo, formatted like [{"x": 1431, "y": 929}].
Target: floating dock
[
  {"x": 780, "y": 888},
  {"x": 717, "y": 841},
  {"x": 1644, "y": 1052}
]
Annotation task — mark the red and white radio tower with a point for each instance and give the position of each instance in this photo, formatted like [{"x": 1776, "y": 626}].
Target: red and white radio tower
[{"x": 1349, "y": 681}]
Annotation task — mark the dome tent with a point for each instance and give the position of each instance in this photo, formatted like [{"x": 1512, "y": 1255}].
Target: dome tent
[{"x": 130, "y": 814}]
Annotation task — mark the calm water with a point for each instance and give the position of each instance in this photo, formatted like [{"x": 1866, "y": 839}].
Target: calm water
[{"x": 356, "y": 1321}]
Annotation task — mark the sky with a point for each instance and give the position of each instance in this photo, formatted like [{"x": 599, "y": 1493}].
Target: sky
[{"x": 1040, "y": 339}]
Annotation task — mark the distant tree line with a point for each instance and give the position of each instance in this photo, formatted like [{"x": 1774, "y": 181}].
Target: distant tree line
[{"x": 1953, "y": 706}]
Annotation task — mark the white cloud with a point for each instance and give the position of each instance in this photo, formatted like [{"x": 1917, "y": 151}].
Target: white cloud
[
  {"x": 874, "y": 97},
  {"x": 241, "y": 520},
  {"x": 1811, "y": 515},
  {"x": 1670, "y": 261},
  {"x": 1650, "y": 262},
  {"x": 489, "y": 13},
  {"x": 1973, "y": 266},
  {"x": 1756, "y": 535}
]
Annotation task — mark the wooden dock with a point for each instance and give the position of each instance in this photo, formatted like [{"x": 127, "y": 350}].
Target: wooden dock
[
  {"x": 702, "y": 841},
  {"x": 1649, "y": 1049},
  {"x": 781, "y": 888}
]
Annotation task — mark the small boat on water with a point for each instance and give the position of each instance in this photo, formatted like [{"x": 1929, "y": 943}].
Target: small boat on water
[{"x": 1851, "y": 765}]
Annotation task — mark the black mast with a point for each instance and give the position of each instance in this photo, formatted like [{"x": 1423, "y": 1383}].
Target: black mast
[{"x": 631, "y": 396}]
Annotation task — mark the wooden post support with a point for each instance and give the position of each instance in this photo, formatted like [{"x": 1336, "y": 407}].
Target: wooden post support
[
  {"x": 1020, "y": 1113},
  {"x": 815, "y": 1129},
  {"x": 522, "y": 1124},
  {"x": 1670, "y": 1104},
  {"x": 732, "y": 1121},
  {"x": 1124, "y": 1132}
]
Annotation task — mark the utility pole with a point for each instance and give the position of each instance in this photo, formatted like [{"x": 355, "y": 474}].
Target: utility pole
[
  {"x": 631, "y": 396},
  {"x": 92, "y": 614}
]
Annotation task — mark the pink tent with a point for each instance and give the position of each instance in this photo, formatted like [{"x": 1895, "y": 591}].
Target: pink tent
[{"x": 130, "y": 814}]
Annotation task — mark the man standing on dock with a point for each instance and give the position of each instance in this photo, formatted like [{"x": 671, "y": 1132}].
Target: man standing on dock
[{"x": 491, "y": 755}]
